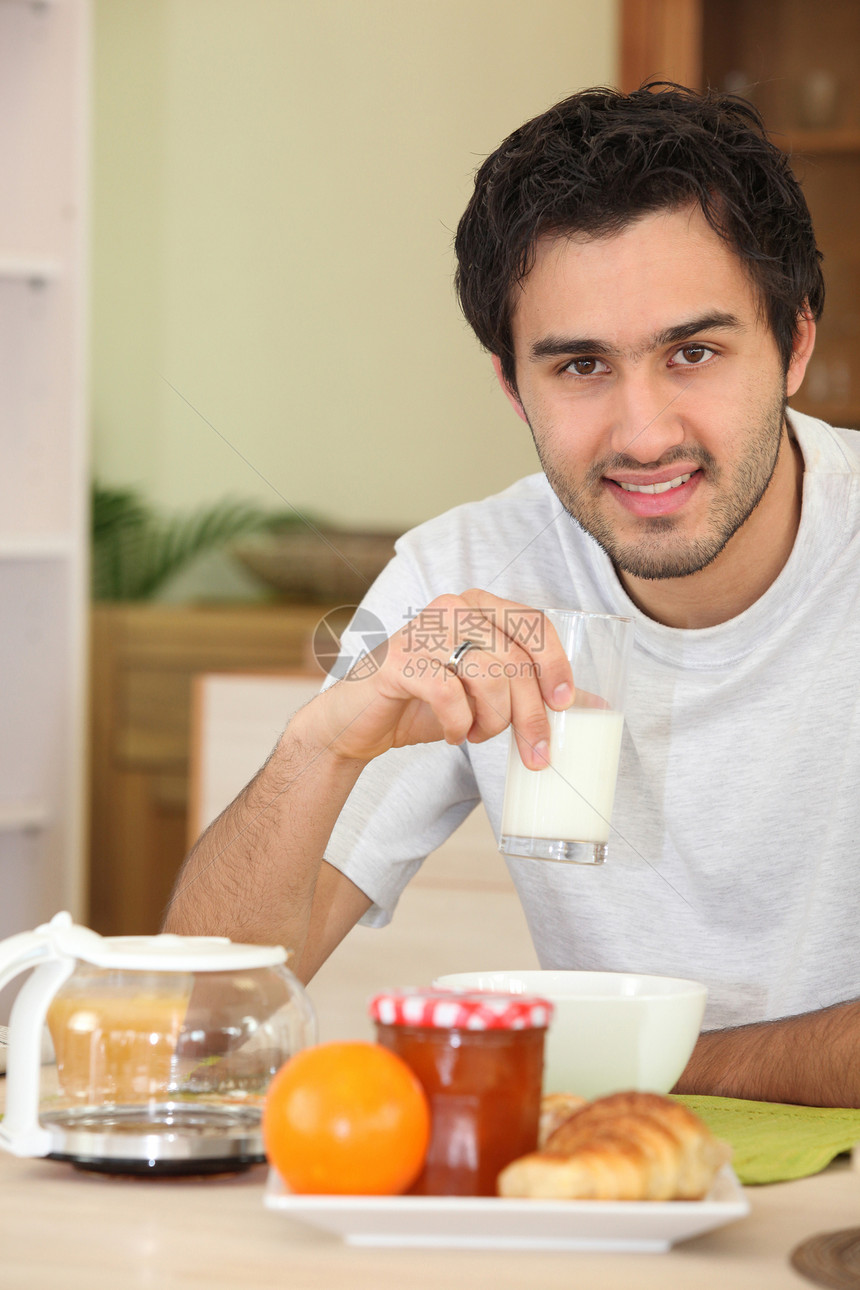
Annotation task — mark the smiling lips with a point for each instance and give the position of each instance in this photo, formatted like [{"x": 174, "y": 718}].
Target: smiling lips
[
  {"x": 657, "y": 497},
  {"x": 655, "y": 488}
]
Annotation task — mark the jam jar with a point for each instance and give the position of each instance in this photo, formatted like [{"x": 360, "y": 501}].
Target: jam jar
[{"x": 479, "y": 1057}]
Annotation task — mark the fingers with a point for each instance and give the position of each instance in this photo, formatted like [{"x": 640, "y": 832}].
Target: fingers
[
  {"x": 535, "y": 635},
  {"x": 471, "y": 700},
  {"x": 530, "y": 727},
  {"x": 518, "y": 668}
]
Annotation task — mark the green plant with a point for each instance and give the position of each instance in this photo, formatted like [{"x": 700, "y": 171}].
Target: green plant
[{"x": 135, "y": 550}]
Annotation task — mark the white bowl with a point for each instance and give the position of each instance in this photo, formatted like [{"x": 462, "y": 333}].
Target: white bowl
[{"x": 611, "y": 1031}]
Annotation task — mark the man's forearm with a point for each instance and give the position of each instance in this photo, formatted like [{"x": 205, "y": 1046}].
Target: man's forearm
[
  {"x": 253, "y": 873},
  {"x": 812, "y": 1060}
]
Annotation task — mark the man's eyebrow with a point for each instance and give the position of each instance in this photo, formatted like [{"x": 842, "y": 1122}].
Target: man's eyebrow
[
  {"x": 558, "y": 346},
  {"x": 716, "y": 321}
]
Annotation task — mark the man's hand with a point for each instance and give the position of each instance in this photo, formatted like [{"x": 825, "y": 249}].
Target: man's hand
[{"x": 413, "y": 697}]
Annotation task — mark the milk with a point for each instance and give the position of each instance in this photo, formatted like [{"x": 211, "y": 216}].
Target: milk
[{"x": 571, "y": 798}]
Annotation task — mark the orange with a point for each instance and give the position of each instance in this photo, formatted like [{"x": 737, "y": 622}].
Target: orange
[{"x": 346, "y": 1117}]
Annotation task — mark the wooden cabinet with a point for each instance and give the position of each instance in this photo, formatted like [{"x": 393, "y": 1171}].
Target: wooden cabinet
[
  {"x": 44, "y": 67},
  {"x": 797, "y": 63},
  {"x": 143, "y": 659}
]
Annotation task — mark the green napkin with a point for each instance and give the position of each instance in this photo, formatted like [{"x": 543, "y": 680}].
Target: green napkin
[{"x": 772, "y": 1142}]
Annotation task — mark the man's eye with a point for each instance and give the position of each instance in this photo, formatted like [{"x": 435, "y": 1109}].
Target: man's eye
[
  {"x": 586, "y": 366},
  {"x": 690, "y": 355}
]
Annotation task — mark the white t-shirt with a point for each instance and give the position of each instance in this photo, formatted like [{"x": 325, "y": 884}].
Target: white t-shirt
[{"x": 735, "y": 842}]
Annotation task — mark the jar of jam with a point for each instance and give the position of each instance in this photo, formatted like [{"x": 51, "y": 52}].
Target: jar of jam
[{"x": 479, "y": 1057}]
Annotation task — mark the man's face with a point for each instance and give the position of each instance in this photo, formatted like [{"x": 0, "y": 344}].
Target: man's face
[{"x": 654, "y": 391}]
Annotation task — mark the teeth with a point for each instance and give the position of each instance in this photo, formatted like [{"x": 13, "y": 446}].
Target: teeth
[{"x": 656, "y": 488}]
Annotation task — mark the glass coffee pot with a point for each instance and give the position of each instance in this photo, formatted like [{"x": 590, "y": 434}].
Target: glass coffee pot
[{"x": 164, "y": 1045}]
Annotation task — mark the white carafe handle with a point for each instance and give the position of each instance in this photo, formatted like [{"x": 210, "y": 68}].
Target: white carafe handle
[{"x": 20, "y": 1130}]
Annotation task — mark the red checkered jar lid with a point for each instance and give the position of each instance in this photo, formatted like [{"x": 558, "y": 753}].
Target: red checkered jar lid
[{"x": 452, "y": 1010}]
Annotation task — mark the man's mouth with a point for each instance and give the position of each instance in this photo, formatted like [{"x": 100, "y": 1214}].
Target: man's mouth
[
  {"x": 655, "y": 488},
  {"x": 650, "y": 500}
]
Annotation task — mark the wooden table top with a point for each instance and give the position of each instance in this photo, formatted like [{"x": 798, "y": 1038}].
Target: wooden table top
[{"x": 85, "y": 1231}]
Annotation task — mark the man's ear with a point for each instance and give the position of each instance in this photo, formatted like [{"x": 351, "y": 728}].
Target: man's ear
[
  {"x": 801, "y": 352},
  {"x": 511, "y": 395}
]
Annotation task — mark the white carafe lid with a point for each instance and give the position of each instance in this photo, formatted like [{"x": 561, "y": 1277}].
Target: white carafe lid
[{"x": 163, "y": 953}]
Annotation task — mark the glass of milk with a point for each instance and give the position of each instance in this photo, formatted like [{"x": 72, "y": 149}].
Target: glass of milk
[{"x": 562, "y": 812}]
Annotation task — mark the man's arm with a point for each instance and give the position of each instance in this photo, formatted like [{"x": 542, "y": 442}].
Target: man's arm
[
  {"x": 258, "y": 873},
  {"x": 812, "y": 1059}
]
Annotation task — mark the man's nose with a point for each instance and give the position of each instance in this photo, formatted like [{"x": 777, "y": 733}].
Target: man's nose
[{"x": 648, "y": 418}]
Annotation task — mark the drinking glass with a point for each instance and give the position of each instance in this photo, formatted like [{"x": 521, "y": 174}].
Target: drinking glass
[{"x": 562, "y": 812}]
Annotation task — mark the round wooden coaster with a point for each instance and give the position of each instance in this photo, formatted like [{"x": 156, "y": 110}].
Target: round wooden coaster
[{"x": 831, "y": 1259}]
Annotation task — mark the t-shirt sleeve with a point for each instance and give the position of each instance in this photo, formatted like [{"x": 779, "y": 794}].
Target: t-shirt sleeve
[
  {"x": 404, "y": 806},
  {"x": 408, "y": 801}
]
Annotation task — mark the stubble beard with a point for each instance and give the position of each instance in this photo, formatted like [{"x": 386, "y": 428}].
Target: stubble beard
[{"x": 654, "y": 554}]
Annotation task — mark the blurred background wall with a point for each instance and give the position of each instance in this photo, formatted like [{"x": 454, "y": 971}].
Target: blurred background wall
[{"x": 276, "y": 185}]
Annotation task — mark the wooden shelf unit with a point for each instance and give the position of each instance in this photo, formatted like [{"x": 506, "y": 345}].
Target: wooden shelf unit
[
  {"x": 798, "y": 64},
  {"x": 144, "y": 657},
  {"x": 810, "y": 143},
  {"x": 44, "y": 136}
]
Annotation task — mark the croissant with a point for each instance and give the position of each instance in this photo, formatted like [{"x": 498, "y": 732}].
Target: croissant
[{"x": 629, "y": 1146}]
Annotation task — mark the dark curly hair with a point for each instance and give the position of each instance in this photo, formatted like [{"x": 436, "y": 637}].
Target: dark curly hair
[{"x": 598, "y": 160}]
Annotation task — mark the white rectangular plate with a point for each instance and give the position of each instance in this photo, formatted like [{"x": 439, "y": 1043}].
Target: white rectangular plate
[{"x": 477, "y": 1223}]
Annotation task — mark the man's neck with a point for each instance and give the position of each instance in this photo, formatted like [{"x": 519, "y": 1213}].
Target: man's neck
[{"x": 749, "y": 563}]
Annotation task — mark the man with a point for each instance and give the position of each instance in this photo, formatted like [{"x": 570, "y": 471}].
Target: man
[{"x": 644, "y": 273}]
